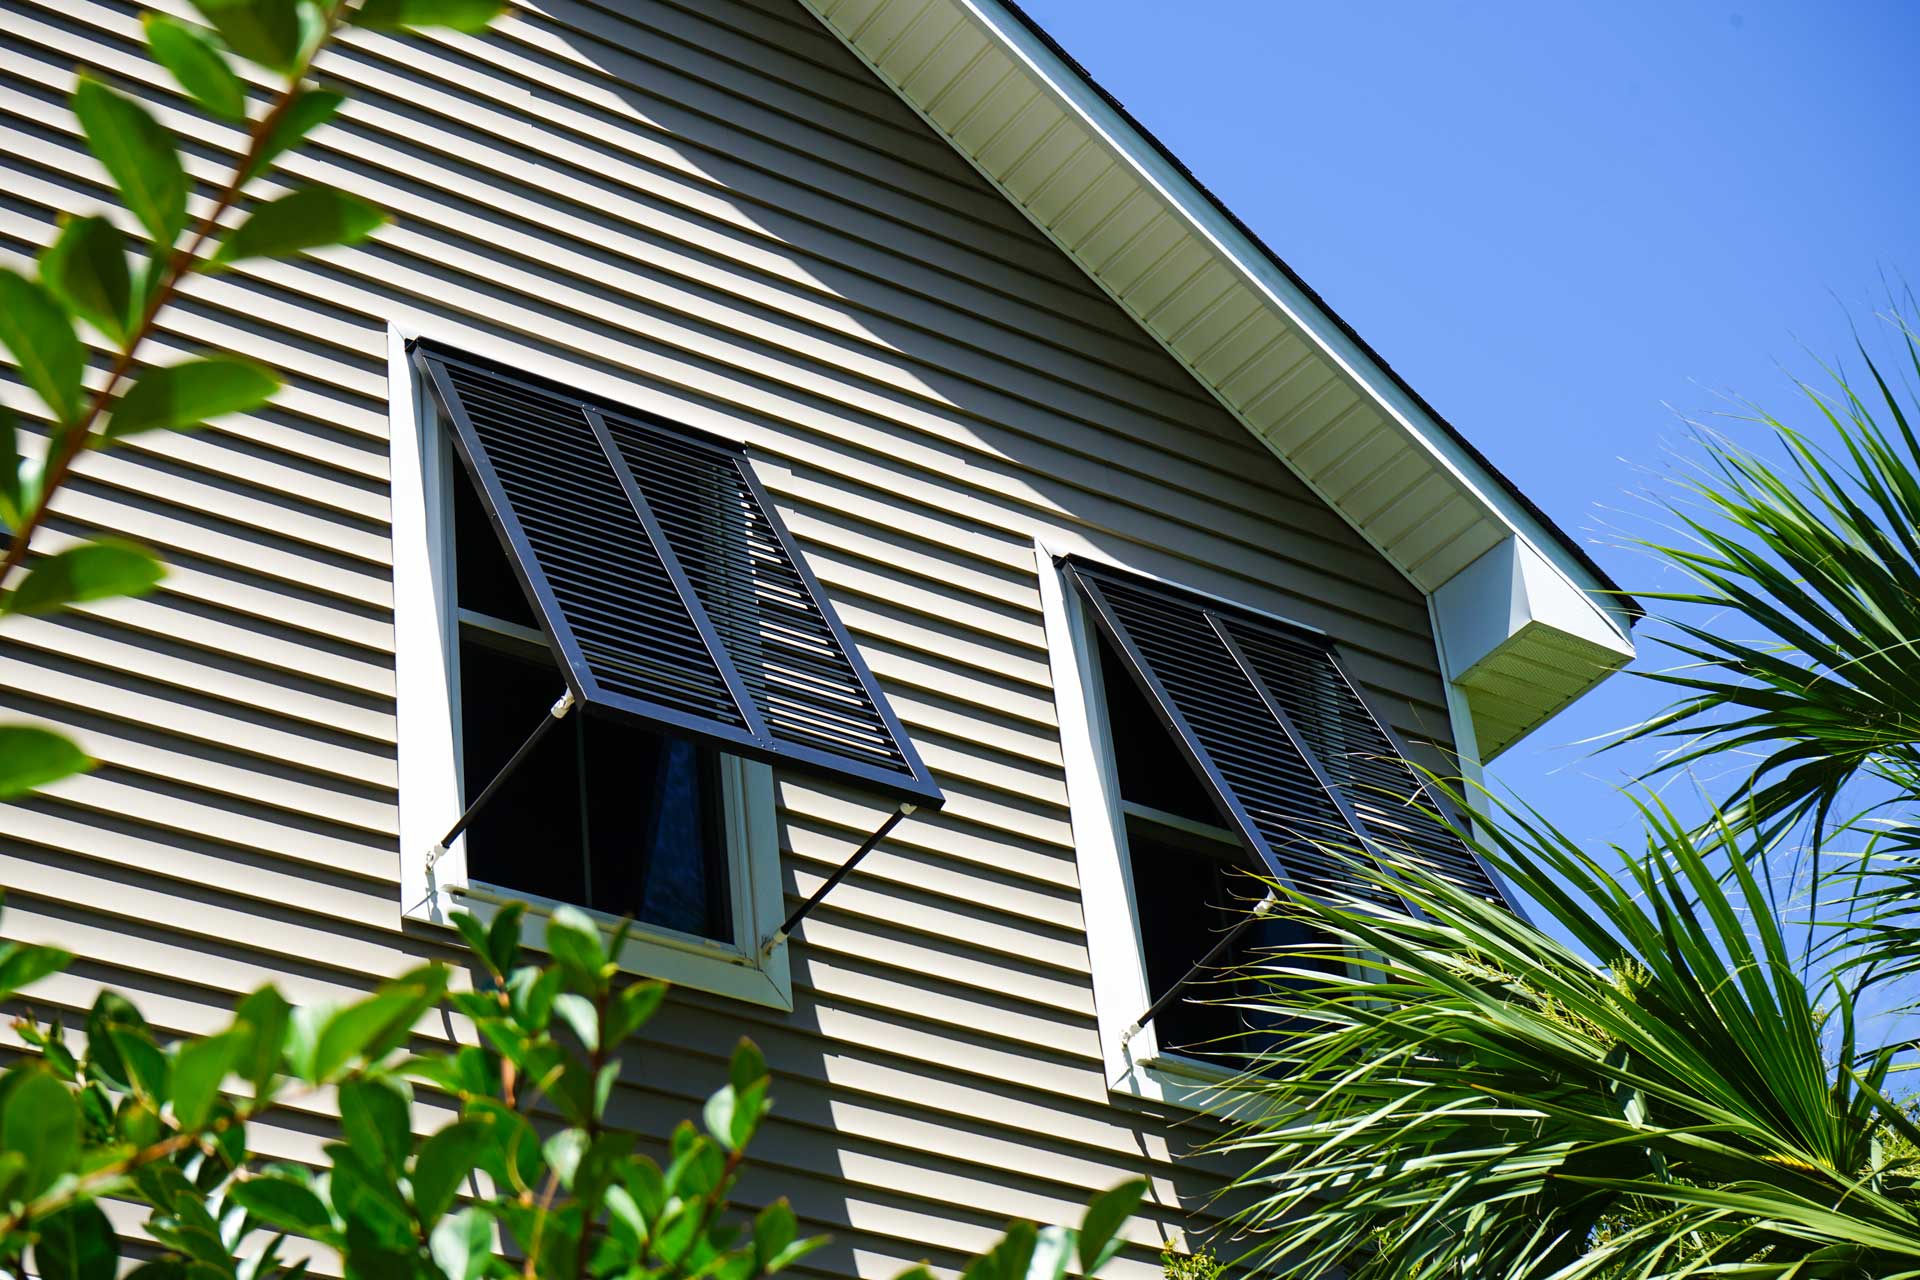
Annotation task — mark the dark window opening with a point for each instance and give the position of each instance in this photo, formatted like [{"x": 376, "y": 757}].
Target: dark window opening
[
  {"x": 1187, "y": 897},
  {"x": 485, "y": 580},
  {"x": 1153, "y": 770},
  {"x": 1190, "y": 887},
  {"x": 603, "y": 814}
]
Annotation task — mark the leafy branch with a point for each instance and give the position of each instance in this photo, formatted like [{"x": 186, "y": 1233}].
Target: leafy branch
[
  {"x": 156, "y": 1125},
  {"x": 94, "y": 276}
]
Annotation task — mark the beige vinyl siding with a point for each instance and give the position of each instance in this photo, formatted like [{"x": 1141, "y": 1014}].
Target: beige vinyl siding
[{"x": 715, "y": 204}]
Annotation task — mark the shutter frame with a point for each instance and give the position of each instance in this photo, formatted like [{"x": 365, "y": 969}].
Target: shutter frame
[
  {"x": 1230, "y": 626},
  {"x": 1174, "y": 719},
  {"x": 903, "y": 777}
]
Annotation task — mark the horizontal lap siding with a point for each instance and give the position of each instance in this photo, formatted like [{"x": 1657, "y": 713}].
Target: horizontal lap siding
[{"x": 716, "y": 206}]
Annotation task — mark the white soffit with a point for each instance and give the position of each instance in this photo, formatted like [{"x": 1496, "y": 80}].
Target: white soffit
[{"x": 1268, "y": 350}]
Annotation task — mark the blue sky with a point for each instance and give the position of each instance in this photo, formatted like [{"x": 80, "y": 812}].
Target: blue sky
[{"x": 1565, "y": 224}]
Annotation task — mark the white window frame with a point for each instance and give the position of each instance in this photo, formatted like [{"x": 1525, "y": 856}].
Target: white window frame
[
  {"x": 1139, "y": 1067},
  {"x": 426, "y": 636}
]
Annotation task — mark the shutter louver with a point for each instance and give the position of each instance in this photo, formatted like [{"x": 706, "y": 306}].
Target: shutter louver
[
  {"x": 665, "y": 581},
  {"x": 790, "y": 652},
  {"x": 1365, "y": 766},
  {"x": 1276, "y": 732}
]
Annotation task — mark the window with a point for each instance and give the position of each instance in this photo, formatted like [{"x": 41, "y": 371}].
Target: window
[
  {"x": 606, "y": 643},
  {"x": 1206, "y": 744},
  {"x": 1193, "y": 879},
  {"x": 602, "y": 814}
]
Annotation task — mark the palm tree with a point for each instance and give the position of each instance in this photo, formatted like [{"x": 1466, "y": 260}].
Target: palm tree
[{"x": 1469, "y": 1098}]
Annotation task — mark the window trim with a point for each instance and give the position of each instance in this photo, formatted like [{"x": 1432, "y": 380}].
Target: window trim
[
  {"x": 1139, "y": 1068},
  {"x": 426, "y": 633},
  {"x": 757, "y": 734}
]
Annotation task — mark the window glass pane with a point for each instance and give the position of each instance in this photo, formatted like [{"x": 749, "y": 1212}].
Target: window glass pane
[
  {"x": 1153, "y": 770},
  {"x": 1186, "y": 899},
  {"x": 650, "y": 805},
  {"x": 653, "y": 817},
  {"x": 528, "y": 836},
  {"x": 484, "y": 577}
]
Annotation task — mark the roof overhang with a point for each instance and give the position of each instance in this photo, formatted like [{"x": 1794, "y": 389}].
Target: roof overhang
[{"x": 1528, "y": 622}]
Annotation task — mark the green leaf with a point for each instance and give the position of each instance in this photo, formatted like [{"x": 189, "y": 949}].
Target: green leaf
[
  {"x": 307, "y": 112},
  {"x": 12, "y": 1165},
  {"x": 732, "y": 1114},
  {"x": 531, "y": 994},
  {"x": 31, "y": 758},
  {"x": 111, "y": 1012},
  {"x": 624, "y": 1220},
  {"x": 283, "y": 1204},
  {"x": 196, "y": 63},
  {"x": 1100, "y": 1229},
  {"x": 798, "y": 1250},
  {"x": 563, "y": 1151},
  {"x": 748, "y": 1065},
  {"x": 76, "y": 1243},
  {"x": 513, "y": 1157},
  {"x": 503, "y": 936},
  {"x": 573, "y": 940},
  {"x": 773, "y": 1230},
  {"x": 304, "y": 1025},
  {"x": 143, "y": 1061},
  {"x": 165, "y": 1269},
  {"x": 273, "y": 33},
  {"x": 734, "y": 1111},
  {"x": 198, "y": 1068},
  {"x": 370, "y": 1028},
  {"x": 1008, "y": 1259},
  {"x": 719, "y": 1114},
  {"x": 37, "y": 331},
  {"x": 632, "y": 1009},
  {"x": 474, "y": 934},
  {"x": 139, "y": 154},
  {"x": 85, "y": 268},
  {"x": 315, "y": 218},
  {"x": 462, "y": 15},
  {"x": 191, "y": 393},
  {"x": 23, "y": 963},
  {"x": 445, "y": 1161},
  {"x": 41, "y": 1121},
  {"x": 578, "y": 1013},
  {"x": 90, "y": 571},
  {"x": 14, "y": 500},
  {"x": 462, "y": 1245},
  {"x": 138, "y": 1123},
  {"x": 376, "y": 1116},
  {"x": 262, "y": 1019}
]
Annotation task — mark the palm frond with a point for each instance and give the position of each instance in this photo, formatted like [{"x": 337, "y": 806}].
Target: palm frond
[
  {"x": 1809, "y": 570},
  {"x": 1469, "y": 1097}
]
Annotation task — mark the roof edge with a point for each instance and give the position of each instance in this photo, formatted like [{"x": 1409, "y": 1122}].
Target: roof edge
[{"x": 1626, "y": 602}]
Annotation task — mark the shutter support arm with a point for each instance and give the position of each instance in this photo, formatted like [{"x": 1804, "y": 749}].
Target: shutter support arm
[
  {"x": 800, "y": 912},
  {"x": 1200, "y": 966},
  {"x": 555, "y": 714}
]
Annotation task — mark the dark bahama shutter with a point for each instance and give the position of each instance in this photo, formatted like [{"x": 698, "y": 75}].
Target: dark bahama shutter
[
  {"x": 1276, "y": 732},
  {"x": 1359, "y": 756},
  {"x": 665, "y": 581}
]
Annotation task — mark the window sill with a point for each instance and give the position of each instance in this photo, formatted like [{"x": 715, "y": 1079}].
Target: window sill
[
  {"x": 681, "y": 959},
  {"x": 1175, "y": 1080}
]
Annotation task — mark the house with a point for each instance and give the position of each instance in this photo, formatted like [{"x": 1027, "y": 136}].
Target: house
[{"x": 795, "y": 417}]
